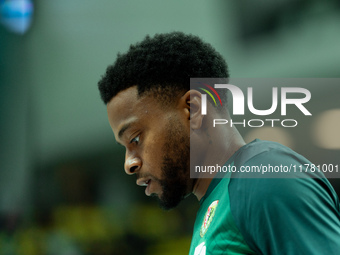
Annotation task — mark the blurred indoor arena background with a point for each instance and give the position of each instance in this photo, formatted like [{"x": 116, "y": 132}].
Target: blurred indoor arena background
[{"x": 62, "y": 185}]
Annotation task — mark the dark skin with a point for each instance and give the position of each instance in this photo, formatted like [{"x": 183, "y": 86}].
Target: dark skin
[{"x": 157, "y": 138}]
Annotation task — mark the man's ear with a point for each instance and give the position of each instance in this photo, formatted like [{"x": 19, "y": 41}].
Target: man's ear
[{"x": 193, "y": 104}]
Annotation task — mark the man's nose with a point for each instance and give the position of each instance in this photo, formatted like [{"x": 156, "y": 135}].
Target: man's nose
[{"x": 132, "y": 163}]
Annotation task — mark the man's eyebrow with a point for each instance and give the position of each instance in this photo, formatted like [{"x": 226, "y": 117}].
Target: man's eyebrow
[{"x": 123, "y": 129}]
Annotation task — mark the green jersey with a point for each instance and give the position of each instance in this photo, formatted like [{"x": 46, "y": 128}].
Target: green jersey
[{"x": 240, "y": 215}]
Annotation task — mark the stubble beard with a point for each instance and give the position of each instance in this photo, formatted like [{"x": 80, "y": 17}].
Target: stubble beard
[{"x": 176, "y": 183}]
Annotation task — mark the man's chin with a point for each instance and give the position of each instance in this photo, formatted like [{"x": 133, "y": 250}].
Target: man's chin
[{"x": 167, "y": 203}]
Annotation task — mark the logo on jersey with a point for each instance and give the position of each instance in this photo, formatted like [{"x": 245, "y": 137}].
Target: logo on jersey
[{"x": 208, "y": 217}]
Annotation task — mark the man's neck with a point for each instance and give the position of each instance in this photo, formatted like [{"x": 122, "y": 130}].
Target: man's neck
[{"x": 218, "y": 153}]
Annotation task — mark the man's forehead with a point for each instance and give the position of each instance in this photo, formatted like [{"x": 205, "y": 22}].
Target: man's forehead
[
  {"x": 125, "y": 96},
  {"x": 127, "y": 105},
  {"x": 121, "y": 106}
]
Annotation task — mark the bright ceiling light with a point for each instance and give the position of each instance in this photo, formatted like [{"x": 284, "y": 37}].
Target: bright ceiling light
[
  {"x": 274, "y": 134},
  {"x": 326, "y": 130}
]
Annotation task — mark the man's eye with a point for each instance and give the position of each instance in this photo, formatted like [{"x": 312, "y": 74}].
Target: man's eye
[{"x": 135, "y": 140}]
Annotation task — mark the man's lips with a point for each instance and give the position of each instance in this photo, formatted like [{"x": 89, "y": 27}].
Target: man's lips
[{"x": 145, "y": 182}]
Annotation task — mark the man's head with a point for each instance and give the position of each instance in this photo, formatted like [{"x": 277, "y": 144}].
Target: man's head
[
  {"x": 150, "y": 107},
  {"x": 163, "y": 64}
]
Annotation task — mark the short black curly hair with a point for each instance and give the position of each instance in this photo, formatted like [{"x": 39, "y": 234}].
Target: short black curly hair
[{"x": 163, "y": 63}]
